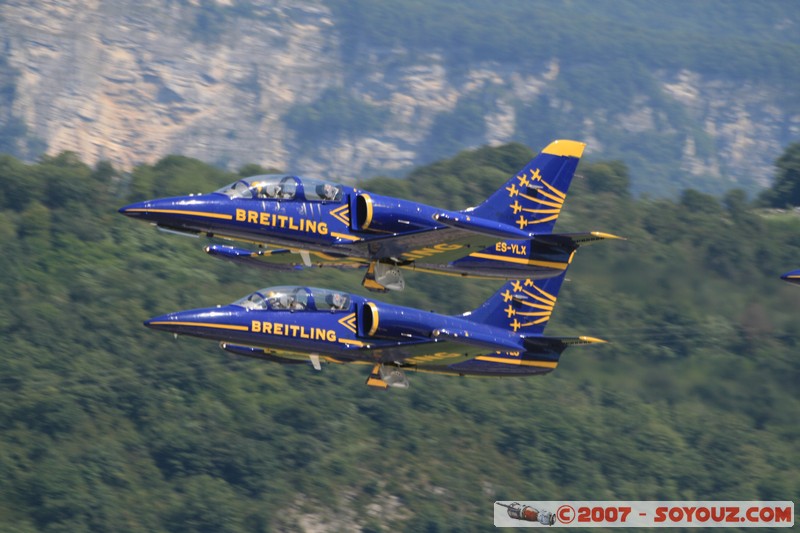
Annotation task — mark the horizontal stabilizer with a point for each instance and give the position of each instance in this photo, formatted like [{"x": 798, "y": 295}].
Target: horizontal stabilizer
[
  {"x": 481, "y": 225},
  {"x": 573, "y": 240},
  {"x": 557, "y": 344}
]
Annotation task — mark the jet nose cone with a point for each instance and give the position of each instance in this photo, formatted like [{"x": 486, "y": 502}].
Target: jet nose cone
[
  {"x": 168, "y": 322},
  {"x": 207, "y": 322},
  {"x": 792, "y": 277},
  {"x": 135, "y": 210}
]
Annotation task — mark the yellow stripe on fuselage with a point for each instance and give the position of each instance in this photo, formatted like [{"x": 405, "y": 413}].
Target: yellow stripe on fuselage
[
  {"x": 345, "y": 236},
  {"x": 201, "y": 325},
  {"x": 519, "y": 260},
  {"x": 353, "y": 342},
  {"x": 182, "y": 212},
  {"x": 519, "y": 362}
]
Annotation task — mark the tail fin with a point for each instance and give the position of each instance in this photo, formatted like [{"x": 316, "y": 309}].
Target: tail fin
[
  {"x": 522, "y": 306},
  {"x": 532, "y": 199}
]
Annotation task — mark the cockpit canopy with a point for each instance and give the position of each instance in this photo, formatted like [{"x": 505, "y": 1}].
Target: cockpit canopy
[
  {"x": 292, "y": 298},
  {"x": 283, "y": 187}
]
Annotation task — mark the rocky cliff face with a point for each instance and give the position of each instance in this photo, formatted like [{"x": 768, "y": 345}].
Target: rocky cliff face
[{"x": 133, "y": 80}]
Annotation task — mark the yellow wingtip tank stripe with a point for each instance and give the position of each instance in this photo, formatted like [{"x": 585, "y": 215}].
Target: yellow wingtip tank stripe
[
  {"x": 592, "y": 340},
  {"x": 565, "y": 148},
  {"x": 602, "y": 235}
]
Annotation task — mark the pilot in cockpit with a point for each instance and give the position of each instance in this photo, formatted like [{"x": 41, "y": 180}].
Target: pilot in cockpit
[
  {"x": 266, "y": 189},
  {"x": 329, "y": 191},
  {"x": 337, "y": 301},
  {"x": 285, "y": 301}
]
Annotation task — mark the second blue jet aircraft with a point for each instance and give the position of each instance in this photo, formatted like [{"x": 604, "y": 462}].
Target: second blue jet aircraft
[
  {"x": 320, "y": 223},
  {"x": 289, "y": 324}
]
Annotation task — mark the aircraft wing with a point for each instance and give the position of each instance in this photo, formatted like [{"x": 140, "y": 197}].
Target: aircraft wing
[
  {"x": 448, "y": 244},
  {"x": 541, "y": 355},
  {"x": 441, "y": 245}
]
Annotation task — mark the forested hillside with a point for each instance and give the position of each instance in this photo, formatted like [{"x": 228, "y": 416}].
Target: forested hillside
[{"x": 108, "y": 426}]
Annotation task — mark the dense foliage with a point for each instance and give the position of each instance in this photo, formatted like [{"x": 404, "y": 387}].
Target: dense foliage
[{"x": 108, "y": 426}]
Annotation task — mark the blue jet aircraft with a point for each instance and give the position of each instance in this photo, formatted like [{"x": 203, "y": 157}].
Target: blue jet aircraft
[
  {"x": 792, "y": 277},
  {"x": 320, "y": 223},
  {"x": 295, "y": 324}
]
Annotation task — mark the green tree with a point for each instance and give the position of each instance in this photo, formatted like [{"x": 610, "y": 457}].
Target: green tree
[{"x": 785, "y": 191}]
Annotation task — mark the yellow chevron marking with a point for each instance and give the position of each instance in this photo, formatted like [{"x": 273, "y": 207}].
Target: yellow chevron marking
[
  {"x": 349, "y": 322},
  {"x": 342, "y": 214}
]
